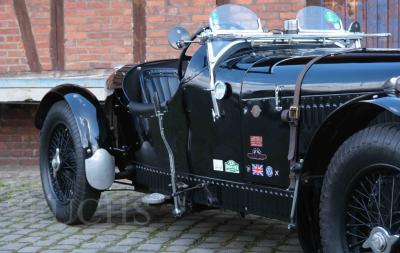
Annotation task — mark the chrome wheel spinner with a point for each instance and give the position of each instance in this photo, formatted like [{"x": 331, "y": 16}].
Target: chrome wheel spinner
[
  {"x": 56, "y": 161},
  {"x": 380, "y": 241}
]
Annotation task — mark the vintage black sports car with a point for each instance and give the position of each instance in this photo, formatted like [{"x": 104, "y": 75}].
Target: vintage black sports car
[{"x": 298, "y": 124}]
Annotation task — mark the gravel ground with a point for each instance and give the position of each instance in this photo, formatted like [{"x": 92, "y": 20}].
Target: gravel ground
[{"x": 123, "y": 224}]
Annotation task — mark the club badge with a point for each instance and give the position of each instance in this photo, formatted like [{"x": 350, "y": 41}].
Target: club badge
[
  {"x": 256, "y": 111},
  {"x": 256, "y": 154},
  {"x": 232, "y": 167},
  {"x": 218, "y": 165},
  {"x": 269, "y": 171},
  {"x": 257, "y": 169},
  {"x": 256, "y": 141}
]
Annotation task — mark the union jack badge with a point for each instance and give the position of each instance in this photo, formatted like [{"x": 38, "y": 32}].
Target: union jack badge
[{"x": 257, "y": 169}]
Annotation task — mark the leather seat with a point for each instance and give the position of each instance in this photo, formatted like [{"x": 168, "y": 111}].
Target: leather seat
[
  {"x": 139, "y": 86},
  {"x": 164, "y": 81}
]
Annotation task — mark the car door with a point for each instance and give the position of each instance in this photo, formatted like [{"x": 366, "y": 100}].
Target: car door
[
  {"x": 215, "y": 145},
  {"x": 265, "y": 135}
]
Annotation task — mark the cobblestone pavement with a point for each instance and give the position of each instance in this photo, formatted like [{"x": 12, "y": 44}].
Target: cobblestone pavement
[{"x": 121, "y": 224}]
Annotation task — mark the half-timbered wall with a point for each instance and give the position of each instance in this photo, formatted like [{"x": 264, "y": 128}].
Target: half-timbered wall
[{"x": 42, "y": 35}]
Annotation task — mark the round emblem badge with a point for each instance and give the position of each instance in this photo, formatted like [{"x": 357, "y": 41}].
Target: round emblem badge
[
  {"x": 269, "y": 171},
  {"x": 256, "y": 111}
]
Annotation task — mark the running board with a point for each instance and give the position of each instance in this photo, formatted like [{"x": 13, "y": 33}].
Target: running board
[{"x": 261, "y": 200}]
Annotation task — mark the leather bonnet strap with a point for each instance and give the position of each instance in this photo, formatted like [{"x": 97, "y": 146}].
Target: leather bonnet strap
[{"x": 292, "y": 115}]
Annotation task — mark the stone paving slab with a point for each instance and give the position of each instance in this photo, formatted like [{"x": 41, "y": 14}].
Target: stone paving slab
[{"x": 123, "y": 224}]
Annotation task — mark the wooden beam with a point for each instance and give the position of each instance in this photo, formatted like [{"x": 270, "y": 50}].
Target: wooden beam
[
  {"x": 139, "y": 30},
  {"x": 57, "y": 51},
  {"x": 27, "y": 36},
  {"x": 221, "y": 2}
]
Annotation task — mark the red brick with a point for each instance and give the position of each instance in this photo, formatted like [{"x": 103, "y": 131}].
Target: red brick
[
  {"x": 115, "y": 42},
  {"x": 87, "y": 43},
  {"x": 74, "y": 5},
  {"x": 95, "y": 5},
  {"x": 28, "y": 162},
  {"x": 287, "y": 15},
  {"x": 126, "y": 4},
  {"x": 101, "y": 65},
  {"x": 203, "y": 17},
  {"x": 150, "y": 3},
  {"x": 8, "y": 162},
  {"x": 77, "y": 35},
  {"x": 156, "y": 18},
  {"x": 12, "y": 38},
  {"x": 105, "y": 50},
  {"x": 18, "y": 68},
  {"x": 74, "y": 20},
  {"x": 88, "y": 57},
  {"x": 98, "y": 20},
  {"x": 8, "y": 31},
  {"x": 6, "y": 16}
]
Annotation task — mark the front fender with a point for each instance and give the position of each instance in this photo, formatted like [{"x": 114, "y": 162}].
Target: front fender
[
  {"x": 388, "y": 103},
  {"x": 89, "y": 116},
  {"x": 342, "y": 123},
  {"x": 93, "y": 130}
]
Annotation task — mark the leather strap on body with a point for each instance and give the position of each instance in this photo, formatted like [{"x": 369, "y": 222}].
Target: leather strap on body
[{"x": 292, "y": 115}]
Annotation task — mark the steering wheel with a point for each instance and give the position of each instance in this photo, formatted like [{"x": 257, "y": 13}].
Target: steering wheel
[{"x": 183, "y": 56}]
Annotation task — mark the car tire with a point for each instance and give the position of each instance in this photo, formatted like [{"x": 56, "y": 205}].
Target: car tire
[
  {"x": 62, "y": 167},
  {"x": 366, "y": 163}
]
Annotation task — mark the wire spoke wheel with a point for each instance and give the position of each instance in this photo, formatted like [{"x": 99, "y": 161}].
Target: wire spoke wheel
[
  {"x": 374, "y": 201},
  {"x": 360, "y": 196},
  {"x": 62, "y": 168},
  {"x": 62, "y": 162}
]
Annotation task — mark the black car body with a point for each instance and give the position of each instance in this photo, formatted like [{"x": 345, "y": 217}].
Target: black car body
[{"x": 252, "y": 150}]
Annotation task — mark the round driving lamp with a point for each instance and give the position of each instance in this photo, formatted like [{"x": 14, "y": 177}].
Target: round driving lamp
[{"x": 221, "y": 90}]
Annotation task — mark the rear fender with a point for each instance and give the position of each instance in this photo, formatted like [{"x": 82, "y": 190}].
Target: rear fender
[{"x": 93, "y": 130}]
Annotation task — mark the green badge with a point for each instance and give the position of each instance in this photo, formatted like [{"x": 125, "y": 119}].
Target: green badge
[
  {"x": 331, "y": 17},
  {"x": 232, "y": 167},
  {"x": 214, "y": 18}
]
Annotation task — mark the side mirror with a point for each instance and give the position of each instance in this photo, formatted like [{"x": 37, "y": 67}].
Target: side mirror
[
  {"x": 177, "y": 36},
  {"x": 355, "y": 27}
]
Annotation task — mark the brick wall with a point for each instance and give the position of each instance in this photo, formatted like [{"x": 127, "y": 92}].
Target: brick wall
[
  {"x": 98, "y": 34},
  {"x": 40, "y": 19},
  {"x": 161, "y": 15},
  {"x": 12, "y": 54},
  {"x": 19, "y": 140}
]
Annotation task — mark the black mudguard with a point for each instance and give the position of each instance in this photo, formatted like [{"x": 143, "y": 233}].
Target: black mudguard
[
  {"x": 350, "y": 118},
  {"x": 388, "y": 103},
  {"x": 89, "y": 115}
]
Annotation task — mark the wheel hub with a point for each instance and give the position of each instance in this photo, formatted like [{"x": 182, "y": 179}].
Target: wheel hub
[
  {"x": 56, "y": 161},
  {"x": 380, "y": 241}
]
